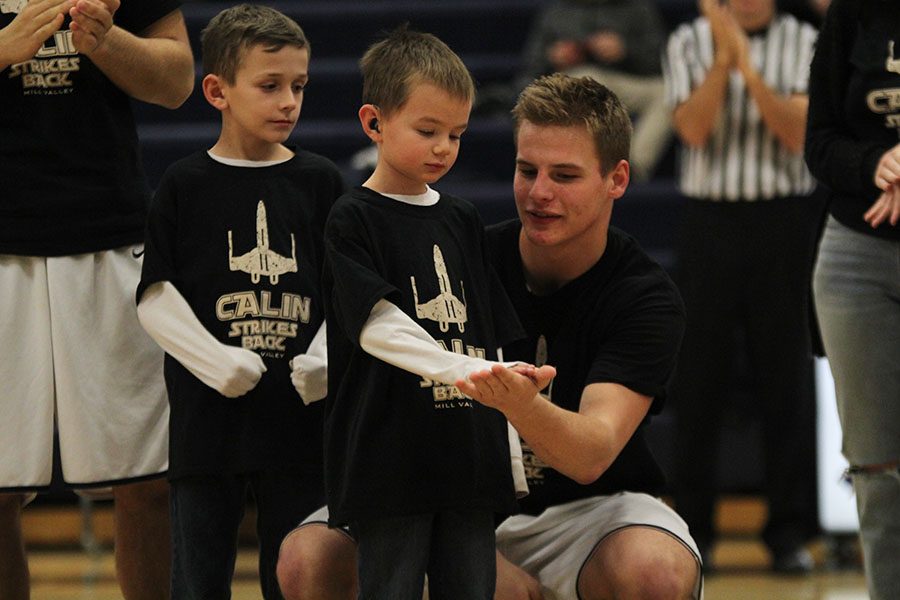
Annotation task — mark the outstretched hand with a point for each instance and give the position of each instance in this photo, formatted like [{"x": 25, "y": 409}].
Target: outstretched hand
[{"x": 506, "y": 388}]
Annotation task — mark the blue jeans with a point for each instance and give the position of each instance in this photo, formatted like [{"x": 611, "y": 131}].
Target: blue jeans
[
  {"x": 206, "y": 514},
  {"x": 455, "y": 548},
  {"x": 857, "y": 292}
]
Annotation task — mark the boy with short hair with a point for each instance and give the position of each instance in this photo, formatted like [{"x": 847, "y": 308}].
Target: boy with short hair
[
  {"x": 416, "y": 469},
  {"x": 230, "y": 289}
]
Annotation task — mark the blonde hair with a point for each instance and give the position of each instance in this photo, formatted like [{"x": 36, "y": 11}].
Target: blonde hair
[{"x": 564, "y": 101}]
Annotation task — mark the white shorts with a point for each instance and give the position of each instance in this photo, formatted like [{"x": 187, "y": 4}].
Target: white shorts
[
  {"x": 554, "y": 545},
  {"x": 74, "y": 353}
]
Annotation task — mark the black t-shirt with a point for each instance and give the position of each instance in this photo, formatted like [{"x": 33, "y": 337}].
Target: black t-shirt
[
  {"x": 396, "y": 444},
  {"x": 620, "y": 322},
  {"x": 69, "y": 158},
  {"x": 244, "y": 246},
  {"x": 854, "y": 106}
]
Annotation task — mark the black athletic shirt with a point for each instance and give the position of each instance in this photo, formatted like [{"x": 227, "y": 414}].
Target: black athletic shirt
[
  {"x": 854, "y": 106},
  {"x": 244, "y": 246},
  {"x": 396, "y": 444},
  {"x": 69, "y": 159},
  {"x": 620, "y": 322}
]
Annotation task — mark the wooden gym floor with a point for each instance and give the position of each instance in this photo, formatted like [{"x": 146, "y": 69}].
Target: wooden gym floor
[{"x": 61, "y": 569}]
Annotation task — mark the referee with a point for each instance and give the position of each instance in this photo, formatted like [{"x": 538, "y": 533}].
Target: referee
[{"x": 736, "y": 79}]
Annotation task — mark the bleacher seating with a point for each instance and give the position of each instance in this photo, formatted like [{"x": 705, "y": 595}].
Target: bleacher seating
[{"x": 488, "y": 35}]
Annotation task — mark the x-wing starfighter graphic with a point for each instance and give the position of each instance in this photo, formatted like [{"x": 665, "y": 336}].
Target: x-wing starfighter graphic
[
  {"x": 891, "y": 64},
  {"x": 445, "y": 308},
  {"x": 12, "y": 6},
  {"x": 261, "y": 260}
]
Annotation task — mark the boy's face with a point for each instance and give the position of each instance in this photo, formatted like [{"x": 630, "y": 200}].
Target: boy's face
[
  {"x": 263, "y": 103},
  {"x": 561, "y": 196},
  {"x": 420, "y": 140}
]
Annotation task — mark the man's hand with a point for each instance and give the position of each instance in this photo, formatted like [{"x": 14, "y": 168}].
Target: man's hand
[
  {"x": 515, "y": 584},
  {"x": 718, "y": 17},
  {"x": 505, "y": 389},
  {"x": 91, "y": 20},
  {"x": 740, "y": 44},
  {"x": 27, "y": 32}
]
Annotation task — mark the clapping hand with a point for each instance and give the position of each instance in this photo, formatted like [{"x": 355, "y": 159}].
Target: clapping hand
[{"x": 91, "y": 21}]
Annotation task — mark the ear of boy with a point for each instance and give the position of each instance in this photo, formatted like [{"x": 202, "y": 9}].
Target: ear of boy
[
  {"x": 212, "y": 91},
  {"x": 368, "y": 118}
]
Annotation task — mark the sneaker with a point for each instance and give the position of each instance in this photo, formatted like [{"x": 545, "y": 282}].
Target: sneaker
[{"x": 796, "y": 561}]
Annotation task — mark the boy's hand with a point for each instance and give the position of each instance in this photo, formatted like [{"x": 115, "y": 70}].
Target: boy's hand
[
  {"x": 26, "y": 33},
  {"x": 240, "y": 372},
  {"x": 309, "y": 374},
  {"x": 506, "y": 389}
]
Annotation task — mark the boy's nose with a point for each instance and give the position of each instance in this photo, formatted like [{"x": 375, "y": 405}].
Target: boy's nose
[
  {"x": 289, "y": 101},
  {"x": 442, "y": 146}
]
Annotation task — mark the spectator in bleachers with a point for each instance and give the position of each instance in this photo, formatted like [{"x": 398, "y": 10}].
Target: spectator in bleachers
[
  {"x": 72, "y": 214},
  {"x": 618, "y": 43},
  {"x": 851, "y": 146},
  {"x": 736, "y": 80}
]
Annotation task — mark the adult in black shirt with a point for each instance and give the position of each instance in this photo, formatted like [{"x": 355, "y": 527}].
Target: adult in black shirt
[{"x": 602, "y": 312}]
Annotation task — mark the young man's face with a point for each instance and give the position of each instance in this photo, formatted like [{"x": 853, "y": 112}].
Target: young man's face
[
  {"x": 264, "y": 100},
  {"x": 561, "y": 197},
  {"x": 420, "y": 140}
]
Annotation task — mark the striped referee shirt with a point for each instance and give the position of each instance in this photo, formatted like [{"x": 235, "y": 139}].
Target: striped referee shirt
[{"x": 742, "y": 159}]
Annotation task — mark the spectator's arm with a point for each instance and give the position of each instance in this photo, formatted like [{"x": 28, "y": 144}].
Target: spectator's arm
[
  {"x": 784, "y": 116},
  {"x": 695, "y": 118}
]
